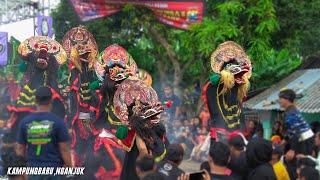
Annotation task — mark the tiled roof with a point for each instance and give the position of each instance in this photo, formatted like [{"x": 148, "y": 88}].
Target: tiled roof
[{"x": 306, "y": 84}]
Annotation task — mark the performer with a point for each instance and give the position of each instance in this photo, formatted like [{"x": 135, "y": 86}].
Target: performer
[
  {"x": 82, "y": 52},
  {"x": 138, "y": 108},
  {"x": 227, "y": 88},
  {"x": 115, "y": 64},
  {"x": 43, "y": 56}
]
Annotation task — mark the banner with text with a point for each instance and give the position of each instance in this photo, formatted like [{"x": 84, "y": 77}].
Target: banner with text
[{"x": 179, "y": 13}]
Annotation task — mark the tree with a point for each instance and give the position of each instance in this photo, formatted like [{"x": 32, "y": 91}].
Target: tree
[
  {"x": 183, "y": 56},
  {"x": 299, "y": 25}
]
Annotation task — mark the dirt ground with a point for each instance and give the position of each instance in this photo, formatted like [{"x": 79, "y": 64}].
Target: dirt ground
[{"x": 190, "y": 166}]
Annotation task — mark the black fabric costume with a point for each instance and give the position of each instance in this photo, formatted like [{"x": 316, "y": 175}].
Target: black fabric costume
[
  {"x": 35, "y": 78},
  {"x": 214, "y": 102}
]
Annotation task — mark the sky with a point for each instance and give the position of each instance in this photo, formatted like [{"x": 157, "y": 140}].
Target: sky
[{"x": 20, "y": 30}]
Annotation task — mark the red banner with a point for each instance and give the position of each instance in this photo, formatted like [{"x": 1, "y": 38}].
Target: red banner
[{"x": 179, "y": 13}]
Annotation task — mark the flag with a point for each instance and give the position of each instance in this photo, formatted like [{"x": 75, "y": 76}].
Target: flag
[
  {"x": 3, "y": 48},
  {"x": 44, "y": 26}
]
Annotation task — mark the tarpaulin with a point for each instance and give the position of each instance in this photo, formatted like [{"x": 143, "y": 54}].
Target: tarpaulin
[
  {"x": 176, "y": 13},
  {"x": 3, "y": 48}
]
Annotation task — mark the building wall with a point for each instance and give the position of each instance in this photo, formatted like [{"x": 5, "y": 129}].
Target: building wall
[{"x": 310, "y": 117}]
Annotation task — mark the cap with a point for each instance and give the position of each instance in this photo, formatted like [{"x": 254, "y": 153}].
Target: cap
[{"x": 288, "y": 94}]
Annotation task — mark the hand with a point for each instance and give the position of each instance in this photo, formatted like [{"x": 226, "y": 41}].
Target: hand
[
  {"x": 290, "y": 155},
  {"x": 206, "y": 175},
  {"x": 70, "y": 132},
  {"x": 184, "y": 177},
  {"x": 301, "y": 156}
]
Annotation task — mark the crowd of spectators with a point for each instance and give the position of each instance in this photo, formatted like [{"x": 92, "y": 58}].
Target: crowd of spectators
[{"x": 245, "y": 156}]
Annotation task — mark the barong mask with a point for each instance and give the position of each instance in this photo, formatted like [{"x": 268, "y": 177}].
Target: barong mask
[
  {"x": 117, "y": 63},
  {"x": 81, "y": 46},
  {"x": 134, "y": 98},
  {"x": 41, "y": 50},
  {"x": 231, "y": 64}
]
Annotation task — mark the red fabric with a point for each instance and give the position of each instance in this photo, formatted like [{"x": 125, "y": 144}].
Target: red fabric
[
  {"x": 128, "y": 141},
  {"x": 213, "y": 132},
  {"x": 83, "y": 133},
  {"x": 20, "y": 109},
  {"x": 73, "y": 138},
  {"x": 204, "y": 116},
  {"x": 13, "y": 89},
  {"x": 12, "y": 120},
  {"x": 108, "y": 143},
  {"x": 99, "y": 104},
  {"x": 75, "y": 159},
  {"x": 56, "y": 95},
  {"x": 102, "y": 174},
  {"x": 204, "y": 94},
  {"x": 168, "y": 103}
]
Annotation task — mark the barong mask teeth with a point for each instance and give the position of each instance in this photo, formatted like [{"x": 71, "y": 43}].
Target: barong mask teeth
[
  {"x": 230, "y": 57},
  {"x": 141, "y": 98},
  {"x": 43, "y": 48},
  {"x": 119, "y": 62},
  {"x": 80, "y": 45}
]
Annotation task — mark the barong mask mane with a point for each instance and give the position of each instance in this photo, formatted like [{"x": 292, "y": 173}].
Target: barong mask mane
[
  {"x": 117, "y": 61},
  {"x": 144, "y": 76},
  {"x": 43, "y": 49},
  {"x": 80, "y": 45},
  {"x": 233, "y": 66},
  {"x": 135, "y": 98}
]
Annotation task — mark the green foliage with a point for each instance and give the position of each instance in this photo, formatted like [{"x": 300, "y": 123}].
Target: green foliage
[
  {"x": 299, "y": 26},
  {"x": 278, "y": 65},
  {"x": 256, "y": 25}
]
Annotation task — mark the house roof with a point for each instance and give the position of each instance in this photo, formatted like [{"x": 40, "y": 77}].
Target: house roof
[{"x": 306, "y": 83}]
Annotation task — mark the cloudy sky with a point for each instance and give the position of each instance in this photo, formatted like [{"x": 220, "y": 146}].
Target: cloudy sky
[
  {"x": 24, "y": 29},
  {"x": 20, "y": 30}
]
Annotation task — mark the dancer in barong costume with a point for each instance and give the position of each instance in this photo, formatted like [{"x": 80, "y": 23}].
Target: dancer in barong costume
[
  {"x": 82, "y": 51},
  {"x": 227, "y": 88},
  {"x": 43, "y": 57}
]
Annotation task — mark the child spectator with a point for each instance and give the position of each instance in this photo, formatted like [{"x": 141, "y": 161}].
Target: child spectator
[{"x": 278, "y": 166}]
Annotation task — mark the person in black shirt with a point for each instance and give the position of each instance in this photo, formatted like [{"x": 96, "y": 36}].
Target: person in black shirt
[
  {"x": 238, "y": 162},
  {"x": 144, "y": 166},
  {"x": 219, "y": 157},
  {"x": 169, "y": 167},
  {"x": 258, "y": 155},
  {"x": 172, "y": 101}
]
